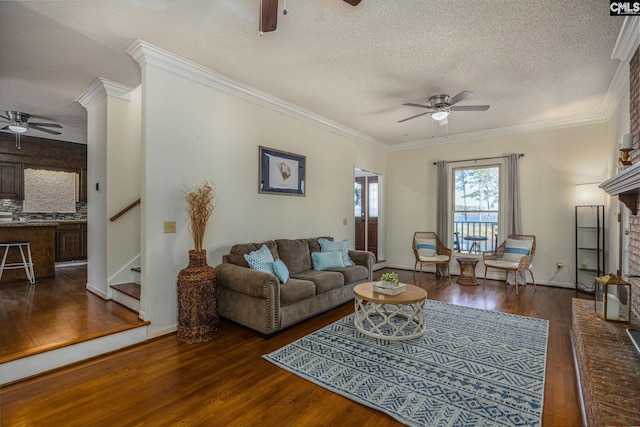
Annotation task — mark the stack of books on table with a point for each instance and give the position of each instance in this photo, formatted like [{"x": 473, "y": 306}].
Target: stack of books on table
[{"x": 389, "y": 288}]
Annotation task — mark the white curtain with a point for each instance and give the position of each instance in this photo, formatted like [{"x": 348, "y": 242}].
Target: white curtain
[
  {"x": 442, "y": 211},
  {"x": 514, "y": 210}
]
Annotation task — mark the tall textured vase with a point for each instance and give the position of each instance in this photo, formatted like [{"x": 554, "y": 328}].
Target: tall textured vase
[{"x": 197, "y": 300}]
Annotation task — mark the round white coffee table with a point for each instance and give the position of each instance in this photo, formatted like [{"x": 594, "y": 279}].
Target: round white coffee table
[{"x": 390, "y": 317}]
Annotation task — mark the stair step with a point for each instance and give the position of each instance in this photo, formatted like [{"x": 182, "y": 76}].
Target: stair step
[
  {"x": 131, "y": 289},
  {"x": 136, "y": 269}
]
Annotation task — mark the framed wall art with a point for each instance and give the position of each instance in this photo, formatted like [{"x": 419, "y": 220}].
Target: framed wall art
[{"x": 281, "y": 172}]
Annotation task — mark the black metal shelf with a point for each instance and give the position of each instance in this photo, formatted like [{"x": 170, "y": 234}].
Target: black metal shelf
[{"x": 594, "y": 229}]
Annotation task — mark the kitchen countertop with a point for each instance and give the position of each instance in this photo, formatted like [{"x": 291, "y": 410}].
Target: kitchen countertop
[{"x": 40, "y": 223}]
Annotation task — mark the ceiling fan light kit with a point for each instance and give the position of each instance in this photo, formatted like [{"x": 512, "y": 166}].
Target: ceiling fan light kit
[
  {"x": 17, "y": 128},
  {"x": 439, "y": 114}
]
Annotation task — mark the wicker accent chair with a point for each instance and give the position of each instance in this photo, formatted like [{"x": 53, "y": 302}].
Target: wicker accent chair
[
  {"x": 514, "y": 254},
  {"x": 428, "y": 249}
]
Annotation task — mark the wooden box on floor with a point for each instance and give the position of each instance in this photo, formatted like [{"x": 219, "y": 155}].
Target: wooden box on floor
[{"x": 42, "y": 237}]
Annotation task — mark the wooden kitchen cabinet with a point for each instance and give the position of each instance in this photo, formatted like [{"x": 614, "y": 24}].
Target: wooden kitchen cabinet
[
  {"x": 10, "y": 180},
  {"x": 71, "y": 241}
]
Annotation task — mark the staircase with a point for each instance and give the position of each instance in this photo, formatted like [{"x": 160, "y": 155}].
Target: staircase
[{"x": 128, "y": 293}]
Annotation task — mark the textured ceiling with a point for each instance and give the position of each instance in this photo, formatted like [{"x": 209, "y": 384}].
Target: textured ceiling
[{"x": 531, "y": 61}]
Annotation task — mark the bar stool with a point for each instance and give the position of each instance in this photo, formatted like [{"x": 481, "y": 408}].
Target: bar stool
[{"x": 27, "y": 265}]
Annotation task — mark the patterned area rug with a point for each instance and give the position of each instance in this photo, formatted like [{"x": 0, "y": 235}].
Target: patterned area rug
[{"x": 472, "y": 367}]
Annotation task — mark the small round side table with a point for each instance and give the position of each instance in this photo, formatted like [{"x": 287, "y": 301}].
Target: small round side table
[{"x": 468, "y": 271}]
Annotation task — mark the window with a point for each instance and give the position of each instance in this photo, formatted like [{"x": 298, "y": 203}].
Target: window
[
  {"x": 373, "y": 199},
  {"x": 476, "y": 217},
  {"x": 358, "y": 199}
]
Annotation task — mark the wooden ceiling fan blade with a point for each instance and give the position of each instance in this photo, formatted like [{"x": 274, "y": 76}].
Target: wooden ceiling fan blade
[
  {"x": 460, "y": 97},
  {"x": 268, "y": 15},
  {"x": 470, "y": 108},
  {"x": 53, "y": 132},
  {"x": 413, "y": 117},
  {"x": 353, "y": 2},
  {"x": 411, "y": 104},
  {"x": 51, "y": 125}
]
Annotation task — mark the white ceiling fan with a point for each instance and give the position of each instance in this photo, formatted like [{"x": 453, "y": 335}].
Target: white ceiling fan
[
  {"x": 19, "y": 123},
  {"x": 441, "y": 106}
]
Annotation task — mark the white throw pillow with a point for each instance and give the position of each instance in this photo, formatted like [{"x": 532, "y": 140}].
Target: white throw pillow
[
  {"x": 515, "y": 249},
  {"x": 426, "y": 247}
]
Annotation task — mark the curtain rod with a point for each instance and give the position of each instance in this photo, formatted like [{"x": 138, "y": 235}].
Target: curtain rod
[{"x": 482, "y": 158}]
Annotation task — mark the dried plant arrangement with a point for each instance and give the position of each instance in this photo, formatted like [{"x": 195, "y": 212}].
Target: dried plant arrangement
[{"x": 201, "y": 201}]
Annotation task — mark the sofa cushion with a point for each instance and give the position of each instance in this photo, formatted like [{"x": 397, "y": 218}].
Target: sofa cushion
[
  {"x": 515, "y": 249},
  {"x": 281, "y": 271},
  {"x": 435, "y": 258},
  {"x": 357, "y": 273},
  {"x": 326, "y": 260},
  {"x": 426, "y": 247},
  {"x": 314, "y": 246},
  {"x": 261, "y": 260},
  {"x": 342, "y": 246},
  {"x": 324, "y": 280},
  {"x": 295, "y": 254},
  {"x": 296, "y": 290},
  {"x": 237, "y": 252},
  {"x": 500, "y": 263}
]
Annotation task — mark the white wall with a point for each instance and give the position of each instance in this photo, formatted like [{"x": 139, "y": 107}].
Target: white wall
[
  {"x": 97, "y": 199},
  {"x": 555, "y": 160},
  {"x": 618, "y": 126},
  {"x": 123, "y": 177},
  {"x": 192, "y": 132}
]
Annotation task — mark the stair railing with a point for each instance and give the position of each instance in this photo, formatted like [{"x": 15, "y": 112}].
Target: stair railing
[{"x": 125, "y": 210}]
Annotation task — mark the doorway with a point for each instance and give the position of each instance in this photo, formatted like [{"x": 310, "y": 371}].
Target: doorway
[{"x": 367, "y": 202}]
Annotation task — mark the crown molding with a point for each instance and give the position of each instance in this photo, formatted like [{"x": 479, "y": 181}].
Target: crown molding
[
  {"x": 147, "y": 54},
  {"x": 99, "y": 90},
  {"x": 580, "y": 120},
  {"x": 617, "y": 88},
  {"x": 628, "y": 39}
]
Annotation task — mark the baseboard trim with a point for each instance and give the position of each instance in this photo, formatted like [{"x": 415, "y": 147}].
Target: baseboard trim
[{"x": 102, "y": 294}]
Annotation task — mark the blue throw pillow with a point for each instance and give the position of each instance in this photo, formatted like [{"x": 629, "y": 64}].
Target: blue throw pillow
[
  {"x": 327, "y": 245},
  {"x": 327, "y": 260},
  {"x": 516, "y": 249},
  {"x": 261, "y": 260},
  {"x": 281, "y": 270}
]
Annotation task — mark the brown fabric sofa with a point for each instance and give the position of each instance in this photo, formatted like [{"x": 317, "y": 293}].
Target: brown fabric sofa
[{"x": 259, "y": 301}]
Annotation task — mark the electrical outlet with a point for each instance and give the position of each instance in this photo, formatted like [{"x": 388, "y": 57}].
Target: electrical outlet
[
  {"x": 169, "y": 226},
  {"x": 559, "y": 265}
]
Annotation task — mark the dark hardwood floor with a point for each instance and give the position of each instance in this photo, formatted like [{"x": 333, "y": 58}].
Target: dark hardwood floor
[
  {"x": 56, "y": 312},
  {"x": 226, "y": 382}
]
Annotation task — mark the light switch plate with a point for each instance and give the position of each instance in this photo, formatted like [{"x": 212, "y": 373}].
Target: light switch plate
[
  {"x": 344, "y": 221},
  {"x": 169, "y": 226}
]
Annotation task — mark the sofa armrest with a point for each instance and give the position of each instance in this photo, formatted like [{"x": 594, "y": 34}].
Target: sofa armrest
[
  {"x": 364, "y": 258},
  {"x": 246, "y": 280}
]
